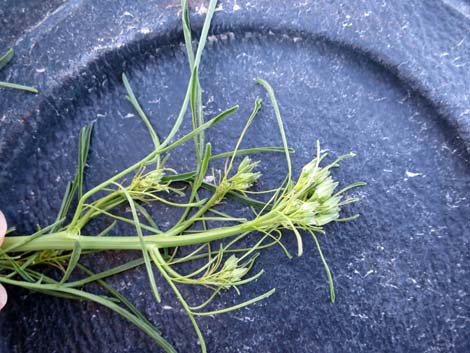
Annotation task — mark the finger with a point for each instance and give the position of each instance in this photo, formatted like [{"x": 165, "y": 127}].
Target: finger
[
  {"x": 3, "y": 297},
  {"x": 3, "y": 227},
  {"x": 3, "y": 230}
]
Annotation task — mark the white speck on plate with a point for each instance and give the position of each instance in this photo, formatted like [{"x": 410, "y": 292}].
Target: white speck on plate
[{"x": 412, "y": 174}]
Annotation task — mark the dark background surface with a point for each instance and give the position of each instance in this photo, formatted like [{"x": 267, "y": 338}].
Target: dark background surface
[{"x": 387, "y": 80}]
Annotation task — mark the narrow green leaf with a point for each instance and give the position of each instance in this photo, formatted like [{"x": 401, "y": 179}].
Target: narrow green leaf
[
  {"x": 148, "y": 264},
  {"x": 105, "y": 274},
  {"x": 187, "y": 33},
  {"x": 106, "y": 231},
  {"x": 72, "y": 263},
  {"x": 327, "y": 268},
  {"x": 18, "y": 87},
  {"x": 150, "y": 330},
  {"x": 135, "y": 103},
  {"x": 238, "y": 306},
  {"x": 255, "y": 111},
  {"x": 118, "y": 296},
  {"x": 241, "y": 152},
  {"x": 277, "y": 113},
  {"x": 6, "y": 58},
  {"x": 203, "y": 127}
]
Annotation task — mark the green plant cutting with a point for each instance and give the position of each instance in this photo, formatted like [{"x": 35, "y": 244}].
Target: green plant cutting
[{"x": 299, "y": 207}]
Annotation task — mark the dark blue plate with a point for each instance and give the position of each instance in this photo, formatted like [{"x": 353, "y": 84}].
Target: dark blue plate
[{"x": 388, "y": 80}]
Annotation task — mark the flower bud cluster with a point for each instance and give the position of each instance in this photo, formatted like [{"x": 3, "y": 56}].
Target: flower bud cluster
[
  {"x": 312, "y": 200},
  {"x": 229, "y": 275},
  {"x": 144, "y": 186},
  {"x": 151, "y": 181},
  {"x": 244, "y": 178}
]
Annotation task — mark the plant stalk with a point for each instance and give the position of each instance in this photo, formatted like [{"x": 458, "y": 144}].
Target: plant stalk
[{"x": 65, "y": 240}]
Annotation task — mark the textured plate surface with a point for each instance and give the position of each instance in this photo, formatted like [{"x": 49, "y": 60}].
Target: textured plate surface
[{"x": 389, "y": 81}]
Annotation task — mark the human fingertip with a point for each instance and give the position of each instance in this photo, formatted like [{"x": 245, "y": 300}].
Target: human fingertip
[
  {"x": 3, "y": 227},
  {"x": 3, "y": 297}
]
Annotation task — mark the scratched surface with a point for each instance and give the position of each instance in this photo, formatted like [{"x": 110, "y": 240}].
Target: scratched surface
[{"x": 387, "y": 80}]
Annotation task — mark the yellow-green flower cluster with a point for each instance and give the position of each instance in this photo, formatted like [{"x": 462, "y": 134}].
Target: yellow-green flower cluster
[
  {"x": 244, "y": 178},
  {"x": 312, "y": 200},
  {"x": 228, "y": 276},
  {"x": 145, "y": 186},
  {"x": 151, "y": 181},
  {"x": 231, "y": 272}
]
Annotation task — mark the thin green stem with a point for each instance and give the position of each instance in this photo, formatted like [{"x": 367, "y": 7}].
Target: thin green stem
[
  {"x": 65, "y": 240},
  {"x": 18, "y": 87}
]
